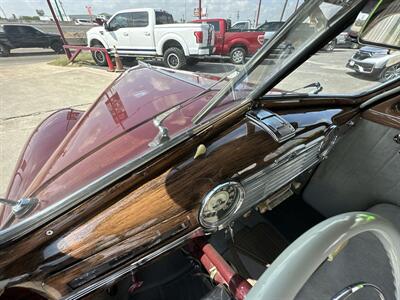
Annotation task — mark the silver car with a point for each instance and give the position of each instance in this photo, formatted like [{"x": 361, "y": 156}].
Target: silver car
[{"x": 378, "y": 63}]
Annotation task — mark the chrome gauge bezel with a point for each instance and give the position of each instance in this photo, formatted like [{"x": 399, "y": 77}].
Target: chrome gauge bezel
[{"x": 229, "y": 216}]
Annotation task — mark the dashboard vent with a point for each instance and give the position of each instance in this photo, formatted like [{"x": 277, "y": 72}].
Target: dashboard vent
[{"x": 275, "y": 176}]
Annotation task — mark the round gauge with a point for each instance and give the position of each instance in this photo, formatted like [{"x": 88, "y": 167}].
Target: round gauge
[{"x": 220, "y": 204}]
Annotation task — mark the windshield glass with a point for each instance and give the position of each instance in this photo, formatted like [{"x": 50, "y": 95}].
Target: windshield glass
[{"x": 313, "y": 19}]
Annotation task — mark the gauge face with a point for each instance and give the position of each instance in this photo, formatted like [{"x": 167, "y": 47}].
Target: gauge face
[{"x": 220, "y": 204}]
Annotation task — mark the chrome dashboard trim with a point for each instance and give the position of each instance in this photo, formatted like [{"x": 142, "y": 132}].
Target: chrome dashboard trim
[
  {"x": 224, "y": 222},
  {"x": 279, "y": 173},
  {"x": 277, "y": 127}
]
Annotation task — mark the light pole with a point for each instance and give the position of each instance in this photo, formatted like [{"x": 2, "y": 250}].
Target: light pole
[
  {"x": 199, "y": 9},
  {"x": 258, "y": 12},
  {"x": 283, "y": 10},
  {"x": 2, "y": 10}
]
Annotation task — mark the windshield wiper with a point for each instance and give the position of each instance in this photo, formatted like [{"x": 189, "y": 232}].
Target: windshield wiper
[
  {"x": 21, "y": 207},
  {"x": 317, "y": 85}
]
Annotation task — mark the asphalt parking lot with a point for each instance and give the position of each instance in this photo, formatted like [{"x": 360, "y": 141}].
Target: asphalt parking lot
[{"x": 31, "y": 90}]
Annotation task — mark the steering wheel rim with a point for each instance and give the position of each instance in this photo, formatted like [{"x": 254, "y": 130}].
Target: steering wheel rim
[{"x": 294, "y": 266}]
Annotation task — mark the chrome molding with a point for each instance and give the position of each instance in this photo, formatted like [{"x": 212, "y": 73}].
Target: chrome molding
[
  {"x": 38, "y": 219},
  {"x": 111, "y": 279},
  {"x": 224, "y": 222},
  {"x": 279, "y": 129},
  {"x": 280, "y": 173}
]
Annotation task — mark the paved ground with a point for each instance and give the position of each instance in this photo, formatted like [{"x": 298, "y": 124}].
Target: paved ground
[
  {"x": 28, "y": 56},
  {"x": 31, "y": 90}
]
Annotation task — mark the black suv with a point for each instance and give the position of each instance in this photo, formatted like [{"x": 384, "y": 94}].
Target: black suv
[{"x": 26, "y": 36}]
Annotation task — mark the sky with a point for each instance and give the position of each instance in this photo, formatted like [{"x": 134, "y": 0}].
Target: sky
[{"x": 270, "y": 9}]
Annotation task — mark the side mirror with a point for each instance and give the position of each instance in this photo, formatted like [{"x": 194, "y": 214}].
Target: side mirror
[{"x": 106, "y": 27}]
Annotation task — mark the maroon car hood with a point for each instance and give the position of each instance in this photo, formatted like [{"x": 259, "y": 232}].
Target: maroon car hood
[{"x": 118, "y": 128}]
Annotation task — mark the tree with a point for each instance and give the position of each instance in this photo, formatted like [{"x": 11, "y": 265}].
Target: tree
[{"x": 40, "y": 12}]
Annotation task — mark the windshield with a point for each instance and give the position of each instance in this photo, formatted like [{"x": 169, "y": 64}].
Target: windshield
[{"x": 313, "y": 19}]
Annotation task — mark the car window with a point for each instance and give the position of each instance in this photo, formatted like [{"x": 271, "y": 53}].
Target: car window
[
  {"x": 28, "y": 30},
  {"x": 239, "y": 26},
  {"x": 14, "y": 30},
  {"x": 344, "y": 67},
  {"x": 122, "y": 20},
  {"x": 215, "y": 24},
  {"x": 163, "y": 18},
  {"x": 140, "y": 19}
]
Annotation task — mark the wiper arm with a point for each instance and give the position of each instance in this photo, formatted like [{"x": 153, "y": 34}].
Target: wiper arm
[
  {"x": 217, "y": 98},
  {"x": 317, "y": 85},
  {"x": 21, "y": 207}
]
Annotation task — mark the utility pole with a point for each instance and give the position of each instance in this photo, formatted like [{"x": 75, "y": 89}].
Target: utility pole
[
  {"x": 185, "y": 12},
  {"x": 59, "y": 11},
  {"x": 283, "y": 10},
  {"x": 199, "y": 9},
  {"x": 4, "y": 13},
  {"x": 237, "y": 16},
  {"x": 258, "y": 12},
  {"x": 297, "y": 4},
  {"x": 65, "y": 14}
]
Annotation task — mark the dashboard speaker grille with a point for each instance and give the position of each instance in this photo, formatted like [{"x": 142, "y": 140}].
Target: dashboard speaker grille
[{"x": 275, "y": 176}]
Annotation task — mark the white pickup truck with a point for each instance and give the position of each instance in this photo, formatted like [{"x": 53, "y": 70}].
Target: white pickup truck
[{"x": 149, "y": 32}]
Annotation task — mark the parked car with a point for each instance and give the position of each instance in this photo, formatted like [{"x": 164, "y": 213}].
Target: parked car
[
  {"x": 14, "y": 36},
  {"x": 177, "y": 185},
  {"x": 270, "y": 28},
  {"x": 85, "y": 22},
  {"x": 151, "y": 33},
  {"x": 235, "y": 44},
  {"x": 375, "y": 62}
]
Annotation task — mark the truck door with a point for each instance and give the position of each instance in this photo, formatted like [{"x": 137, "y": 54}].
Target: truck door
[
  {"x": 14, "y": 35},
  {"x": 219, "y": 36},
  {"x": 118, "y": 33},
  {"x": 33, "y": 37},
  {"x": 142, "y": 34}
]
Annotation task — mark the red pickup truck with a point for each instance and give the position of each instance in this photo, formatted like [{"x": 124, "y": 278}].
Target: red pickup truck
[{"x": 236, "y": 44}]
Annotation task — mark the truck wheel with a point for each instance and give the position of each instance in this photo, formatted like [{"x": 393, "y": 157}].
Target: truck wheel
[
  {"x": 57, "y": 47},
  {"x": 174, "y": 58},
  {"x": 192, "y": 61},
  {"x": 4, "y": 51},
  {"x": 390, "y": 73},
  {"x": 98, "y": 56},
  {"x": 238, "y": 55}
]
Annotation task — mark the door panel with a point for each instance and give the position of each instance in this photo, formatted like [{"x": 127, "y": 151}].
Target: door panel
[
  {"x": 386, "y": 113},
  {"x": 119, "y": 30},
  {"x": 363, "y": 169},
  {"x": 141, "y": 34}
]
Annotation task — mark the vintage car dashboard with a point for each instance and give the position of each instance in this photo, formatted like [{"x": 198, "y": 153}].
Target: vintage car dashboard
[{"x": 201, "y": 186}]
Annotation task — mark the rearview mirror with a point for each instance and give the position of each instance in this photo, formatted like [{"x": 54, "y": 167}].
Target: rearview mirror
[{"x": 383, "y": 26}]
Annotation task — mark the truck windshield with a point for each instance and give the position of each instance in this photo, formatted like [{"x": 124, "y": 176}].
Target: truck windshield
[{"x": 293, "y": 41}]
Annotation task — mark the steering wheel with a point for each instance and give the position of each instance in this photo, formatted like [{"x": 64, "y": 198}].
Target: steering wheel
[{"x": 294, "y": 266}]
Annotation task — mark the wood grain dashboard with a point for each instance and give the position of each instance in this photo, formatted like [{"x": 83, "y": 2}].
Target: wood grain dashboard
[
  {"x": 148, "y": 209},
  {"x": 386, "y": 113}
]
